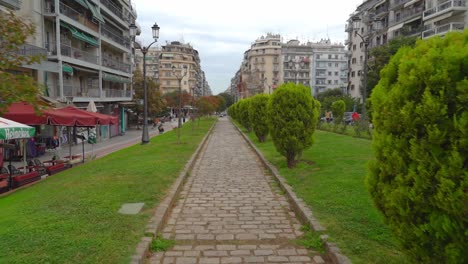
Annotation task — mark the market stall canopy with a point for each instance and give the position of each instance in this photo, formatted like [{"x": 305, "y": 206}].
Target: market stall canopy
[
  {"x": 99, "y": 118},
  {"x": 13, "y": 130},
  {"x": 25, "y": 113}
]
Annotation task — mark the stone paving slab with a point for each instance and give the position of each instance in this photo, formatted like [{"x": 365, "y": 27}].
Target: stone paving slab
[{"x": 231, "y": 211}]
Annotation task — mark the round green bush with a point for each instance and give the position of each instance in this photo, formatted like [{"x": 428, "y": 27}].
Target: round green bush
[
  {"x": 258, "y": 116},
  {"x": 292, "y": 116},
  {"x": 418, "y": 179}
]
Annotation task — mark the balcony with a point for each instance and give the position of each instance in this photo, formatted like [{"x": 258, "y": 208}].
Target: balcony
[
  {"x": 13, "y": 4},
  {"x": 397, "y": 3},
  {"x": 31, "y": 50},
  {"x": 441, "y": 30},
  {"x": 116, "y": 37},
  {"x": 115, "y": 64},
  {"x": 117, "y": 93},
  {"x": 445, "y": 7},
  {"x": 78, "y": 54},
  {"x": 77, "y": 16},
  {"x": 70, "y": 90},
  {"x": 406, "y": 15},
  {"x": 116, "y": 10}
]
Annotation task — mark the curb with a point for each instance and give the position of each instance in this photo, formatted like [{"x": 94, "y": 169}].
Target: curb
[
  {"x": 162, "y": 210},
  {"x": 303, "y": 212}
]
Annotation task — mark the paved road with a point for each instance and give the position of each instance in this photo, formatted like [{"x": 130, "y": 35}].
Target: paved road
[{"x": 230, "y": 210}]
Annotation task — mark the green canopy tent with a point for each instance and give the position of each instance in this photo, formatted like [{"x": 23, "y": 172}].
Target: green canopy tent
[{"x": 14, "y": 130}]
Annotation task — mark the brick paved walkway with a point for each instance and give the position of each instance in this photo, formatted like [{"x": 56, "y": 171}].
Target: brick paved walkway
[{"x": 230, "y": 210}]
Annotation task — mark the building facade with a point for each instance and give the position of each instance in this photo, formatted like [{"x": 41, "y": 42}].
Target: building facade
[
  {"x": 269, "y": 62},
  {"x": 88, "y": 50},
  {"x": 388, "y": 19}
]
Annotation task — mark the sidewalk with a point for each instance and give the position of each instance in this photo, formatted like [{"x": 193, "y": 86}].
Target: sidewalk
[{"x": 230, "y": 210}]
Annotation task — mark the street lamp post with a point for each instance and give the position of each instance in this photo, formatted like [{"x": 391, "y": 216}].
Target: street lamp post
[
  {"x": 179, "y": 77},
  {"x": 144, "y": 50},
  {"x": 365, "y": 39}
]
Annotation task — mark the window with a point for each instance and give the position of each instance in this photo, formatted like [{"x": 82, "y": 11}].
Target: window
[
  {"x": 360, "y": 59},
  {"x": 336, "y": 73},
  {"x": 335, "y": 82},
  {"x": 329, "y": 64},
  {"x": 275, "y": 59},
  {"x": 336, "y": 65},
  {"x": 361, "y": 44},
  {"x": 329, "y": 73},
  {"x": 329, "y": 82},
  {"x": 329, "y": 56},
  {"x": 353, "y": 61},
  {"x": 168, "y": 74},
  {"x": 317, "y": 57},
  {"x": 336, "y": 56},
  {"x": 353, "y": 73},
  {"x": 168, "y": 82},
  {"x": 354, "y": 46},
  {"x": 352, "y": 86}
]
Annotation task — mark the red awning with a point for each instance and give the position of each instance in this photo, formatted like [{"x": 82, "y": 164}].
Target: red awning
[
  {"x": 24, "y": 113},
  {"x": 99, "y": 118}
]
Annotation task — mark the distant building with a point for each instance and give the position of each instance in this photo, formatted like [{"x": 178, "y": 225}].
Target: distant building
[
  {"x": 388, "y": 19},
  {"x": 269, "y": 63}
]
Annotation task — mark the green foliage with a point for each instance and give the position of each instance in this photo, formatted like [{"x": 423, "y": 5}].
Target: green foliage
[
  {"x": 311, "y": 240},
  {"x": 156, "y": 102},
  {"x": 243, "y": 113},
  {"x": 161, "y": 244},
  {"x": 228, "y": 100},
  {"x": 419, "y": 176},
  {"x": 15, "y": 87},
  {"x": 327, "y": 98},
  {"x": 293, "y": 116},
  {"x": 338, "y": 109},
  {"x": 258, "y": 116}
]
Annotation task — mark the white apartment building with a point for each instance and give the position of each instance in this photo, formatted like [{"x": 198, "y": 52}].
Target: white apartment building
[
  {"x": 88, "y": 50},
  {"x": 421, "y": 18}
]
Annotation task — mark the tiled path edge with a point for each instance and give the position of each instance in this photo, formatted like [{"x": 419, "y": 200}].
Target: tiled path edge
[
  {"x": 162, "y": 210},
  {"x": 302, "y": 211}
]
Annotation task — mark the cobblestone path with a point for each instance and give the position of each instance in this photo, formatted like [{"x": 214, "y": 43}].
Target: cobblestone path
[{"x": 231, "y": 211}]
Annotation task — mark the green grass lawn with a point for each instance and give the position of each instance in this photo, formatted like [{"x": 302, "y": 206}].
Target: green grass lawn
[
  {"x": 72, "y": 216},
  {"x": 331, "y": 180}
]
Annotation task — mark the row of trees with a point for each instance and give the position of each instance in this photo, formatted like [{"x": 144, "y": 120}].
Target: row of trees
[
  {"x": 159, "y": 104},
  {"x": 289, "y": 116}
]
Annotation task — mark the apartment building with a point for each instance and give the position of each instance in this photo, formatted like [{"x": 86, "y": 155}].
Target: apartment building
[
  {"x": 88, "y": 50},
  {"x": 186, "y": 61},
  {"x": 387, "y": 19},
  {"x": 296, "y": 62},
  {"x": 261, "y": 67},
  {"x": 440, "y": 17},
  {"x": 269, "y": 62},
  {"x": 152, "y": 62},
  {"x": 329, "y": 66}
]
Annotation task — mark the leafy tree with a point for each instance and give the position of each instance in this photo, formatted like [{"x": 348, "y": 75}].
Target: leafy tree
[
  {"x": 327, "y": 98},
  {"x": 419, "y": 178},
  {"x": 338, "y": 109},
  {"x": 258, "y": 116},
  {"x": 15, "y": 87},
  {"x": 380, "y": 56},
  {"x": 243, "y": 114},
  {"x": 228, "y": 98},
  {"x": 293, "y": 116},
  {"x": 156, "y": 102},
  {"x": 205, "y": 106}
]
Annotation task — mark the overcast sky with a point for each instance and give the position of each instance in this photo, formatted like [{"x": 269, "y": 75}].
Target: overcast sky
[{"x": 222, "y": 31}]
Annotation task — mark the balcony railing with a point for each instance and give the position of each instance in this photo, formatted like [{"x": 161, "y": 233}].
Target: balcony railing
[
  {"x": 115, "y": 64},
  {"x": 31, "y": 50},
  {"x": 77, "y": 16},
  {"x": 406, "y": 15},
  {"x": 76, "y": 91},
  {"x": 108, "y": 32},
  {"x": 397, "y": 3},
  {"x": 440, "y": 30},
  {"x": 14, "y": 4},
  {"x": 444, "y": 7},
  {"x": 116, "y": 10},
  {"x": 78, "y": 54},
  {"x": 113, "y": 93}
]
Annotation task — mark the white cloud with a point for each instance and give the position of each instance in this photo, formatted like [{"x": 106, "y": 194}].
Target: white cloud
[{"x": 222, "y": 31}]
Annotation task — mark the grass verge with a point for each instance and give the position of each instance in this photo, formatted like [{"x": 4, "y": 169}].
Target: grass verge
[
  {"x": 72, "y": 216},
  {"x": 330, "y": 179}
]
